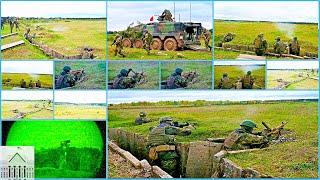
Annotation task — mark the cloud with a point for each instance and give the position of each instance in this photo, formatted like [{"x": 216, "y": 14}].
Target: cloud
[
  {"x": 121, "y": 14},
  {"x": 26, "y": 95},
  {"x": 293, "y": 65},
  {"x": 71, "y": 9},
  {"x": 303, "y": 11},
  {"x": 239, "y": 63},
  {"x": 80, "y": 96},
  {"x": 29, "y": 67}
]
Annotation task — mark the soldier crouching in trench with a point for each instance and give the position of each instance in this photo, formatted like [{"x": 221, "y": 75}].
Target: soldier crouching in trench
[{"x": 65, "y": 79}]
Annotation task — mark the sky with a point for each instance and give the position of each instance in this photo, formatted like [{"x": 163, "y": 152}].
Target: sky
[
  {"x": 26, "y": 95},
  {"x": 71, "y": 9},
  {"x": 30, "y": 67},
  {"x": 284, "y": 11},
  {"x": 293, "y": 65},
  {"x": 116, "y": 97},
  {"x": 121, "y": 14},
  {"x": 239, "y": 62},
  {"x": 80, "y": 96}
]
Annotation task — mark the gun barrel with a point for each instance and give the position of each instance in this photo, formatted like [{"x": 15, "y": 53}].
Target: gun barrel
[{"x": 265, "y": 125}]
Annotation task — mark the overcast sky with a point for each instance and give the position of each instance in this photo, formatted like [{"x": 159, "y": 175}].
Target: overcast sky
[
  {"x": 121, "y": 14},
  {"x": 30, "y": 67},
  {"x": 285, "y": 11},
  {"x": 71, "y": 9},
  {"x": 293, "y": 65},
  {"x": 80, "y": 96},
  {"x": 239, "y": 62},
  {"x": 26, "y": 95},
  {"x": 116, "y": 97}
]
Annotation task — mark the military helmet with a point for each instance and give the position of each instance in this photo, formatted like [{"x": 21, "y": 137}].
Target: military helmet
[
  {"x": 225, "y": 74},
  {"x": 249, "y": 72},
  {"x": 278, "y": 38},
  {"x": 179, "y": 70},
  {"x": 66, "y": 68},
  {"x": 142, "y": 114},
  {"x": 248, "y": 123},
  {"x": 117, "y": 35},
  {"x": 123, "y": 72},
  {"x": 295, "y": 37},
  {"x": 261, "y": 34},
  {"x": 165, "y": 119}
]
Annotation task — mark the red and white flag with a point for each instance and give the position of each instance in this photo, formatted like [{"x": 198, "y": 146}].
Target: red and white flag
[{"x": 151, "y": 19}]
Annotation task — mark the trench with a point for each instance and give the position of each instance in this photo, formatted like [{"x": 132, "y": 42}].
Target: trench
[{"x": 202, "y": 159}]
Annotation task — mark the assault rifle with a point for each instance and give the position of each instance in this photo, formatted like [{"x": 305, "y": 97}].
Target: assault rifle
[
  {"x": 176, "y": 124},
  {"x": 275, "y": 132}
]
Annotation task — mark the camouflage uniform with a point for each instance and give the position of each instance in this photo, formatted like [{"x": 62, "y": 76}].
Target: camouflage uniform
[
  {"x": 65, "y": 79},
  {"x": 147, "y": 41},
  {"x": 119, "y": 46},
  {"x": 142, "y": 118},
  {"x": 228, "y": 37},
  {"x": 243, "y": 138},
  {"x": 38, "y": 84},
  {"x": 23, "y": 84},
  {"x": 260, "y": 45},
  {"x": 207, "y": 37},
  {"x": 176, "y": 81},
  {"x": 122, "y": 80},
  {"x": 279, "y": 46},
  {"x": 247, "y": 81},
  {"x": 165, "y": 16},
  {"x": 225, "y": 82},
  {"x": 294, "y": 46}
]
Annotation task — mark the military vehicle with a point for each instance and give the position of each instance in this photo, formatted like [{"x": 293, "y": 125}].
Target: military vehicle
[{"x": 170, "y": 36}]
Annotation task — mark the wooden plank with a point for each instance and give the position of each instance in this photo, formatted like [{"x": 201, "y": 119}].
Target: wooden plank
[
  {"x": 251, "y": 57},
  {"x": 7, "y": 35},
  {"x": 11, "y": 45}
]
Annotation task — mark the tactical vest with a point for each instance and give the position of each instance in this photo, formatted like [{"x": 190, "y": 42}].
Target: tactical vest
[
  {"x": 115, "y": 84},
  {"x": 282, "y": 46},
  {"x": 247, "y": 81},
  {"x": 158, "y": 136},
  {"x": 139, "y": 121},
  {"x": 59, "y": 81},
  {"x": 232, "y": 139},
  {"x": 294, "y": 45},
  {"x": 258, "y": 43},
  {"x": 226, "y": 83},
  {"x": 170, "y": 83}
]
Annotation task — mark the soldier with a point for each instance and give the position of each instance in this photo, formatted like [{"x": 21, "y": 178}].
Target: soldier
[
  {"x": 207, "y": 37},
  {"x": 165, "y": 16},
  {"x": 247, "y": 81},
  {"x": 38, "y": 84},
  {"x": 118, "y": 42},
  {"x": 32, "y": 84},
  {"x": 225, "y": 82},
  {"x": 142, "y": 119},
  {"x": 23, "y": 84},
  {"x": 279, "y": 47},
  {"x": 26, "y": 34},
  {"x": 260, "y": 45},
  {"x": 11, "y": 25},
  {"x": 86, "y": 53},
  {"x": 147, "y": 38},
  {"x": 294, "y": 46},
  {"x": 244, "y": 138},
  {"x": 65, "y": 79},
  {"x": 176, "y": 81},
  {"x": 122, "y": 80},
  {"x": 228, "y": 37},
  {"x": 16, "y": 22}
]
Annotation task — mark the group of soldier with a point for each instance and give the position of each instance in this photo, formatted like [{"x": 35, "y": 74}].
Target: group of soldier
[
  {"x": 161, "y": 141},
  {"x": 23, "y": 84},
  {"x": 246, "y": 82},
  {"x": 12, "y": 22}
]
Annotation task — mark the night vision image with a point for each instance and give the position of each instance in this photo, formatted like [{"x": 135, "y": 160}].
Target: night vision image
[{"x": 62, "y": 149}]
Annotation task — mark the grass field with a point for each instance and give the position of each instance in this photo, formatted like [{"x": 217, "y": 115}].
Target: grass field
[
  {"x": 246, "y": 32},
  {"x": 141, "y": 54},
  {"x": 95, "y": 71},
  {"x": 24, "y": 106},
  {"x": 45, "y": 79},
  {"x": 79, "y": 112},
  {"x": 67, "y": 37},
  {"x": 150, "y": 69},
  {"x": 292, "y": 75},
  {"x": 258, "y": 72},
  {"x": 293, "y": 159},
  {"x": 204, "y": 69}
]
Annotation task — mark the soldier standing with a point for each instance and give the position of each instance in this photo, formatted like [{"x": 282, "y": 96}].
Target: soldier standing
[
  {"x": 279, "y": 47},
  {"x": 260, "y": 45},
  {"x": 225, "y": 82},
  {"x": 147, "y": 38},
  {"x": 142, "y": 118},
  {"x": 243, "y": 138},
  {"x": 294, "y": 46},
  {"x": 247, "y": 81},
  {"x": 176, "y": 81},
  {"x": 118, "y": 42},
  {"x": 122, "y": 80},
  {"x": 65, "y": 79},
  {"x": 207, "y": 37}
]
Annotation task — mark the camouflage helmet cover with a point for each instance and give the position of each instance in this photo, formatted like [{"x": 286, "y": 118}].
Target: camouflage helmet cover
[
  {"x": 248, "y": 123},
  {"x": 179, "y": 70},
  {"x": 278, "y": 38},
  {"x": 295, "y": 37},
  {"x": 123, "y": 72},
  {"x": 225, "y": 74},
  {"x": 66, "y": 68},
  {"x": 142, "y": 114},
  {"x": 165, "y": 119},
  {"x": 249, "y": 72}
]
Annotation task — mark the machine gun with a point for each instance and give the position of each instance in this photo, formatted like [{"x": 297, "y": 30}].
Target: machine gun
[
  {"x": 275, "y": 133},
  {"x": 140, "y": 77},
  {"x": 176, "y": 124},
  {"x": 191, "y": 76}
]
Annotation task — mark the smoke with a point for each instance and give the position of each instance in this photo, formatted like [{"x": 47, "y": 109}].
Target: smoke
[
  {"x": 287, "y": 28},
  {"x": 245, "y": 69},
  {"x": 34, "y": 76}
]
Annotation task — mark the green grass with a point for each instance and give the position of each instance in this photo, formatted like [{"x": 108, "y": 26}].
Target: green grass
[
  {"x": 283, "y": 160},
  {"x": 227, "y": 55},
  {"x": 66, "y": 37},
  {"x": 24, "y": 106},
  {"x": 246, "y": 32},
  {"x": 47, "y": 172},
  {"x": 204, "y": 69},
  {"x": 45, "y": 79},
  {"x": 258, "y": 72},
  {"x": 95, "y": 70},
  {"x": 79, "y": 112},
  {"x": 150, "y": 69},
  {"x": 141, "y": 54},
  {"x": 291, "y": 75}
]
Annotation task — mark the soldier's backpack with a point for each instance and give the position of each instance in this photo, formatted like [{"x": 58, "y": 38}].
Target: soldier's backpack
[
  {"x": 247, "y": 81},
  {"x": 232, "y": 139},
  {"x": 139, "y": 121},
  {"x": 226, "y": 83},
  {"x": 282, "y": 46},
  {"x": 258, "y": 43}
]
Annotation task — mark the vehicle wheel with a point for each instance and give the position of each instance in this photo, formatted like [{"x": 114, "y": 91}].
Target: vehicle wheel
[
  {"x": 170, "y": 44},
  {"x": 138, "y": 43},
  {"x": 156, "y": 44},
  {"x": 126, "y": 42}
]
